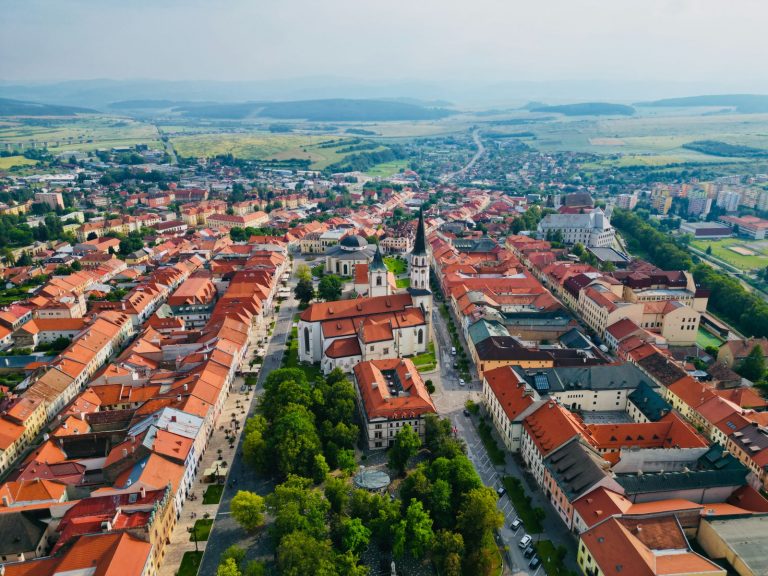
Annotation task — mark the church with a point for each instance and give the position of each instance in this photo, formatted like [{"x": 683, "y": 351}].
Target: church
[{"x": 385, "y": 323}]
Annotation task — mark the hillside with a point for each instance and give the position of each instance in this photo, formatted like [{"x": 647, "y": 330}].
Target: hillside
[
  {"x": 744, "y": 103},
  {"x": 330, "y": 110},
  {"x": 717, "y": 148},
  {"x": 588, "y": 109},
  {"x": 9, "y": 107}
]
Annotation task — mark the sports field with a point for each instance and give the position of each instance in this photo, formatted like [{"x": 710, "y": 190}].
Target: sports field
[{"x": 743, "y": 254}]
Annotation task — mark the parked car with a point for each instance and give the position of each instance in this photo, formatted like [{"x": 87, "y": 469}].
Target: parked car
[
  {"x": 500, "y": 491},
  {"x": 461, "y": 382},
  {"x": 453, "y": 350},
  {"x": 530, "y": 551},
  {"x": 516, "y": 523},
  {"x": 534, "y": 563},
  {"x": 524, "y": 541},
  {"x": 466, "y": 413}
]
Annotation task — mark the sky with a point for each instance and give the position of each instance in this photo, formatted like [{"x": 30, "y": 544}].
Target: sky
[{"x": 714, "y": 43}]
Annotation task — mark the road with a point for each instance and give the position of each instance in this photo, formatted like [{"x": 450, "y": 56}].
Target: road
[
  {"x": 226, "y": 531},
  {"x": 480, "y": 151}
]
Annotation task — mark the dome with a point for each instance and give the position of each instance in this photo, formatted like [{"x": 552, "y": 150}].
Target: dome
[{"x": 353, "y": 242}]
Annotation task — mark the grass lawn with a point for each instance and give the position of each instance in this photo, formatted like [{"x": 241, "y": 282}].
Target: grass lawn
[
  {"x": 213, "y": 494},
  {"x": 202, "y": 529},
  {"x": 522, "y": 503},
  {"x": 705, "y": 338},
  {"x": 387, "y": 169},
  {"x": 11, "y": 161},
  {"x": 496, "y": 454},
  {"x": 396, "y": 265},
  {"x": 291, "y": 358},
  {"x": 190, "y": 564},
  {"x": 403, "y": 282},
  {"x": 722, "y": 250},
  {"x": 552, "y": 559},
  {"x": 425, "y": 362}
]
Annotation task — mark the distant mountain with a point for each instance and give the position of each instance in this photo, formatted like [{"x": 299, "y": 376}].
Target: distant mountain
[
  {"x": 329, "y": 110},
  {"x": 146, "y": 104},
  {"x": 10, "y": 107},
  {"x": 588, "y": 109},
  {"x": 744, "y": 103}
]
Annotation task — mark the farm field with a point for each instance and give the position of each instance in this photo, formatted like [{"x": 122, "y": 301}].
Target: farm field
[
  {"x": 649, "y": 138},
  {"x": 80, "y": 133},
  {"x": 265, "y": 146},
  {"x": 11, "y": 161},
  {"x": 743, "y": 254}
]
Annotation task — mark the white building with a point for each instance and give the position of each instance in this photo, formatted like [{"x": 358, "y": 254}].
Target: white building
[{"x": 591, "y": 229}]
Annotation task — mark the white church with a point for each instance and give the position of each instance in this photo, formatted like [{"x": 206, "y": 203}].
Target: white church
[{"x": 385, "y": 323}]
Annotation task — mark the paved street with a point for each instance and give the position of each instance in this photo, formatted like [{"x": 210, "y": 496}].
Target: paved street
[
  {"x": 450, "y": 399},
  {"x": 226, "y": 531}
]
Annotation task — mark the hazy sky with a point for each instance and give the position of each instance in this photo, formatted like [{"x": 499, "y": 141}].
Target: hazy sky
[{"x": 458, "y": 40}]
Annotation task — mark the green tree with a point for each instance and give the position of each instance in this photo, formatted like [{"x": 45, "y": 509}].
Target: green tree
[
  {"x": 329, "y": 288},
  {"x": 320, "y": 470},
  {"x": 228, "y": 568},
  {"x": 300, "y": 554},
  {"x": 293, "y": 441},
  {"x": 248, "y": 510},
  {"x": 708, "y": 250},
  {"x": 406, "y": 445},
  {"x": 234, "y": 552},
  {"x": 478, "y": 517},
  {"x": 753, "y": 366},
  {"x": 303, "y": 272},
  {"x": 354, "y": 535},
  {"x": 419, "y": 529},
  {"x": 337, "y": 494},
  {"x": 254, "y": 568},
  {"x": 296, "y": 506},
  {"x": 304, "y": 291},
  {"x": 447, "y": 551}
]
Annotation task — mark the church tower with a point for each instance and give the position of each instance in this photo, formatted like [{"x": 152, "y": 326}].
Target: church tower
[
  {"x": 419, "y": 272},
  {"x": 378, "y": 276}
]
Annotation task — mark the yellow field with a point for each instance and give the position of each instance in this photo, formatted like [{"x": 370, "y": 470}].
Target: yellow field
[{"x": 11, "y": 161}]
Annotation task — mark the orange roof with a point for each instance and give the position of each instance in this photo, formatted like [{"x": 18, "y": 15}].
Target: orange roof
[
  {"x": 32, "y": 491},
  {"x": 357, "y": 307},
  {"x": 172, "y": 445},
  {"x": 10, "y": 432},
  {"x": 669, "y": 432},
  {"x": 551, "y": 425},
  {"x": 343, "y": 348},
  {"x": 745, "y": 396},
  {"x": 72, "y": 426},
  {"x": 95, "y": 554},
  {"x": 374, "y": 379},
  {"x": 511, "y": 393},
  {"x": 690, "y": 391},
  {"x": 644, "y": 547},
  {"x": 599, "y": 504}
]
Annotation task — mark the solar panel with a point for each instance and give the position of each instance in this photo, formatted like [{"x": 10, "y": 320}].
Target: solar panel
[{"x": 541, "y": 382}]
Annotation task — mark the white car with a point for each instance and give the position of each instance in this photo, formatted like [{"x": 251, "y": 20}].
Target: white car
[
  {"x": 461, "y": 382},
  {"x": 516, "y": 523},
  {"x": 524, "y": 541}
]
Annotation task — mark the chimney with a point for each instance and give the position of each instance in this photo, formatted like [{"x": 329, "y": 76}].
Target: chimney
[
  {"x": 143, "y": 492},
  {"x": 125, "y": 452},
  {"x": 5, "y": 501}
]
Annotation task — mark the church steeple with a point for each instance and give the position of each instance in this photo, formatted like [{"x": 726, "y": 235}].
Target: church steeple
[
  {"x": 378, "y": 260},
  {"x": 420, "y": 244},
  {"x": 378, "y": 275}
]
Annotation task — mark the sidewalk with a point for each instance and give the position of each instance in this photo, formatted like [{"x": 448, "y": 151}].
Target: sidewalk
[{"x": 180, "y": 538}]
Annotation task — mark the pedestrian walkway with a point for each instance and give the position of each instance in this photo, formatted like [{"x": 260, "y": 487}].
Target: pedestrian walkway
[{"x": 232, "y": 417}]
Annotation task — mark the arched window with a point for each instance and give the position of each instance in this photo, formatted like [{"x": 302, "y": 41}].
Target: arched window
[
  {"x": 306, "y": 340},
  {"x": 378, "y": 280},
  {"x": 346, "y": 272},
  {"x": 421, "y": 336}
]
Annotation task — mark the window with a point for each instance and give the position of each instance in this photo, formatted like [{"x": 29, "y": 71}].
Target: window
[
  {"x": 306, "y": 340},
  {"x": 420, "y": 336},
  {"x": 378, "y": 280}
]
